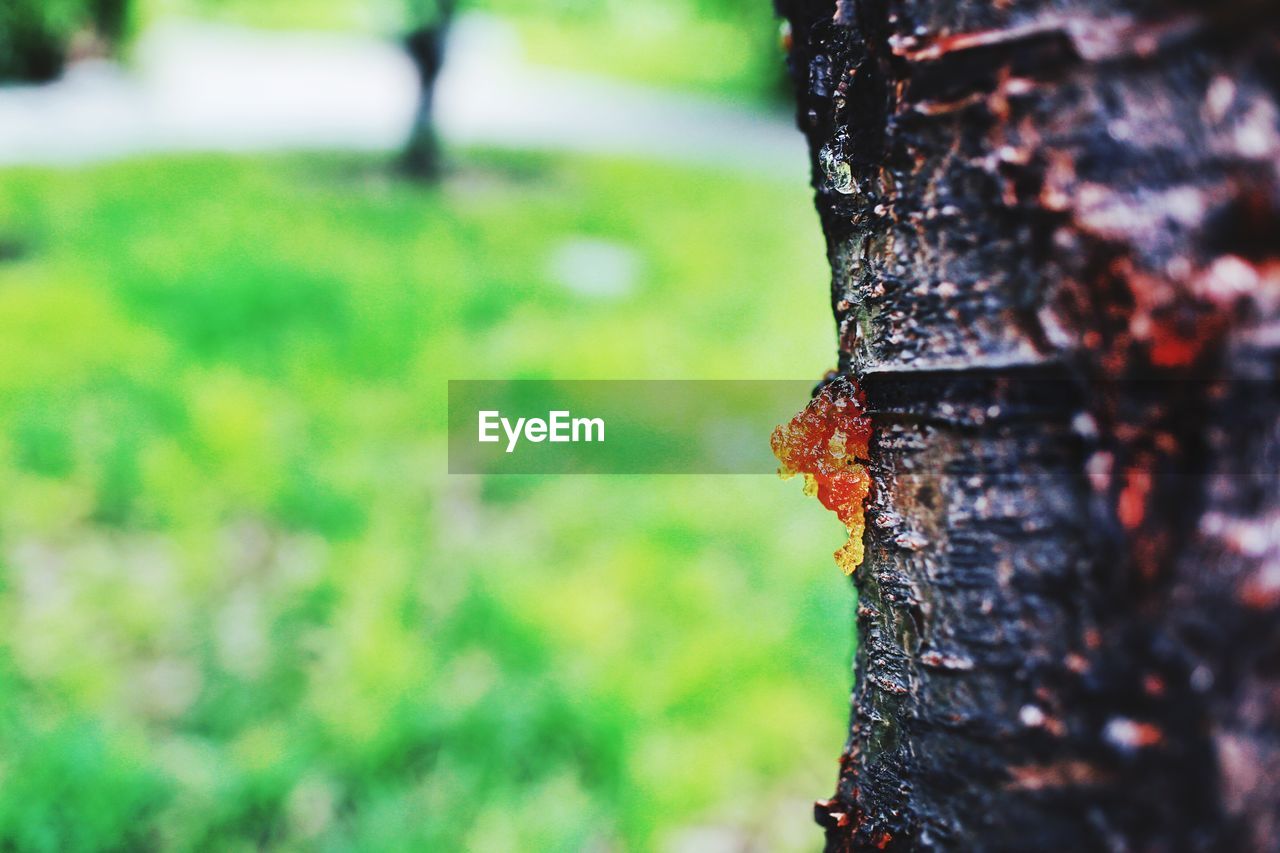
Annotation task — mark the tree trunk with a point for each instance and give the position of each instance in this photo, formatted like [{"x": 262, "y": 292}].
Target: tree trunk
[
  {"x": 1054, "y": 230},
  {"x": 425, "y": 45}
]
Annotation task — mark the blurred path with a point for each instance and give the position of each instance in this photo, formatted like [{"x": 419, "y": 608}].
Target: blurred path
[
  {"x": 204, "y": 87},
  {"x": 215, "y": 88}
]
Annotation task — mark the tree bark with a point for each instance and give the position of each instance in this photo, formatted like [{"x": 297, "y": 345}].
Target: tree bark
[{"x": 1054, "y": 232}]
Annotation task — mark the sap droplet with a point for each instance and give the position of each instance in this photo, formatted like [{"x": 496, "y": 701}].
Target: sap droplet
[
  {"x": 827, "y": 442},
  {"x": 1031, "y": 716},
  {"x": 1129, "y": 735},
  {"x": 839, "y": 174}
]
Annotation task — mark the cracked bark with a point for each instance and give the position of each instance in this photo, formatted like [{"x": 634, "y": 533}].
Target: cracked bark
[{"x": 1054, "y": 232}]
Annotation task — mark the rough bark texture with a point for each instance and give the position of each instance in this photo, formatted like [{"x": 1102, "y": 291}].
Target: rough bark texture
[{"x": 1054, "y": 230}]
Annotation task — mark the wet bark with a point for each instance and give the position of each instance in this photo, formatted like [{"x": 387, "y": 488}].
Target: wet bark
[{"x": 1054, "y": 231}]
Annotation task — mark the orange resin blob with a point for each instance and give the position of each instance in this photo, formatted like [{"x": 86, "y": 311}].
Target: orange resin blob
[{"x": 827, "y": 443}]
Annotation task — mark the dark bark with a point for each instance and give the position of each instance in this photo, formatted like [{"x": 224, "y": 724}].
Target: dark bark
[{"x": 1054, "y": 230}]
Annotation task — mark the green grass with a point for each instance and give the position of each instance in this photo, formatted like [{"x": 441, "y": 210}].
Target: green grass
[{"x": 241, "y": 603}]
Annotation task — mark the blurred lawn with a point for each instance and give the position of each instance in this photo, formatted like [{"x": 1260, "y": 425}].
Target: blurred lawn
[{"x": 243, "y": 606}]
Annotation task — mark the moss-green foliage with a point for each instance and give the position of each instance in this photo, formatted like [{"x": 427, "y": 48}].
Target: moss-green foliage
[
  {"x": 722, "y": 47},
  {"x": 35, "y": 35},
  {"x": 240, "y": 602},
  {"x": 725, "y": 48}
]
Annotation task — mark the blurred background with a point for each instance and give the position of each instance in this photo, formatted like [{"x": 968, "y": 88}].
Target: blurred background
[{"x": 241, "y": 604}]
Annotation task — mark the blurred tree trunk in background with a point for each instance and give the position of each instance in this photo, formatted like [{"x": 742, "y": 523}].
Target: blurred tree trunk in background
[
  {"x": 425, "y": 44},
  {"x": 37, "y": 37},
  {"x": 1054, "y": 229}
]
